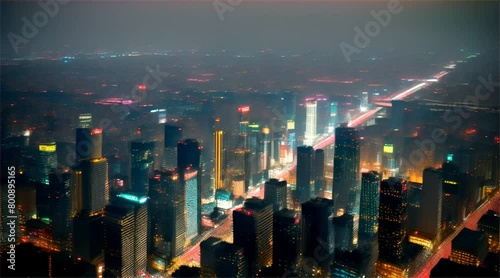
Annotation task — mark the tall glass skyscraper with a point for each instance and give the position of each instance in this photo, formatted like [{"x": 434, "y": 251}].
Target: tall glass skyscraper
[
  {"x": 319, "y": 173},
  {"x": 253, "y": 230},
  {"x": 126, "y": 235},
  {"x": 141, "y": 165},
  {"x": 192, "y": 203},
  {"x": 305, "y": 173},
  {"x": 90, "y": 186},
  {"x": 167, "y": 210},
  {"x": 173, "y": 135},
  {"x": 392, "y": 219},
  {"x": 317, "y": 232},
  {"x": 311, "y": 121},
  {"x": 346, "y": 187},
  {"x": 88, "y": 143},
  {"x": 369, "y": 203},
  {"x": 189, "y": 166},
  {"x": 47, "y": 160}
]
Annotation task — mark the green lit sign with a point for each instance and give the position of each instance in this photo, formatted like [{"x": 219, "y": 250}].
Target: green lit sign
[
  {"x": 134, "y": 198},
  {"x": 449, "y": 157},
  {"x": 388, "y": 148}
]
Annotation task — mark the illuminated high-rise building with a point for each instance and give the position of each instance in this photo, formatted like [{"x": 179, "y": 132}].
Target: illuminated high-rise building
[
  {"x": 332, "y": 123},
  {"x": 490, "y": 224},
  {"x": 265, "y": 148},
  {"x": 244, "y": 121},
  {"x": 286, "y": 240},
  {"x": 141, "y": 165},
  {"x": 311, "y": 121},
  {"x": 208, "y": 259},
  {"x": 47, "y": 161},
  {"x": 363, "y": 105},
  {"x": 90, "y": 186},
  {"x": 193, "y": 203},
  {"x": 253, "y": 230},
  {"x": 239, "y": 164},
  {"x": 431, "y": 204},
  {"x": 369, "y": 204},
  {"x": 88, "y": 143},
  {"x": 317, "y": 231},
  {"x": 346, "y": 187},
  {"x": 172, "y": 136},
  {"x": 85, "y": 120},
  {"x": 305, "y": 173},
  {"x": 275, "y": 193},
  {"x": 189, "y": 165},
  {"x": 392, "y": 219},
  {"x": 218, "y": 159},
  {"x": 167, "y": 214},
  {"x": 319, "y": 173},
  {"x": 126, "y": 235}
]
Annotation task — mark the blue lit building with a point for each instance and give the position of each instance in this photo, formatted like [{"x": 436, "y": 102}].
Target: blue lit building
[{"x": 192, "y": 206}]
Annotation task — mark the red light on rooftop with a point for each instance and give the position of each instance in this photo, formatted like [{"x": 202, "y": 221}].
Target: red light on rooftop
[
  {"x": 297, "y": 220},
  {"x": 142, "y": 87},
  {"x": 96, "y": 131},
  {"x": 244, "y": 109}
]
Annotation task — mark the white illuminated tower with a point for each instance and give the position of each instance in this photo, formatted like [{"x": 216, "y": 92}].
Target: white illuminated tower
[
  {"x": 363, "y": 106},
  {"x": 311, "y": 118}
]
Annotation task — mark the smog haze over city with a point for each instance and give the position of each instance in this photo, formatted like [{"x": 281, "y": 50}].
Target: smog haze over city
[{"x": 250, "y": 138}]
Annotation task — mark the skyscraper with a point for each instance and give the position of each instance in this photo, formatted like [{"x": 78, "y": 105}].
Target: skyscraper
[
  {"x": 311, "y": 121},
  {"x": 333, "y": 117},
  {"x": 369, "y": 203},
  {"x": 141, "y": 165},
  {"x": 392, "y": 219},
  {"x": 126, "y": 235},
  {"x": 189, "y": 165},
  {"x": 275, "y": 193},
  {"x": 90, "y": 186},
  {"x": 431, "y": 204},
  {"x": 343, "y": 227},
  {"x": 193, "y": 202},
  {"x": 208, "y": 259},
  {"x": 319, "y": 173},
  {"x": 346, "y": 169},
  {"x": 244, "y": 112},
  {"x": 286, "y": 240},
  {"x": 253, "y": 230},
  {"x": 167, "y": 210},
  {"x": 88, "y": 143},
  {"x": 305, "y": 173},
  {"x": 173, "y": 135},
  {"x": 317, "y": 231},
  {"x": 221, "y": 259},
  {"x": 47, "y": 160},
  {"x": 218, "y": 159}
]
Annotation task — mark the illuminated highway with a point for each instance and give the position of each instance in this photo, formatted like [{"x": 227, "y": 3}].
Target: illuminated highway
[{"x": 191, "y": 256}]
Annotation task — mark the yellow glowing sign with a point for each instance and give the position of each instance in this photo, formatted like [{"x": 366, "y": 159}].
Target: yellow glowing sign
[
  {"x": 266, "y": 130},
  {"x": 290, "y": 124},
  {"x": 388, "y": 148},
  {"x": 47, "y": 148},
  {"x": 450, "y": 182}
]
